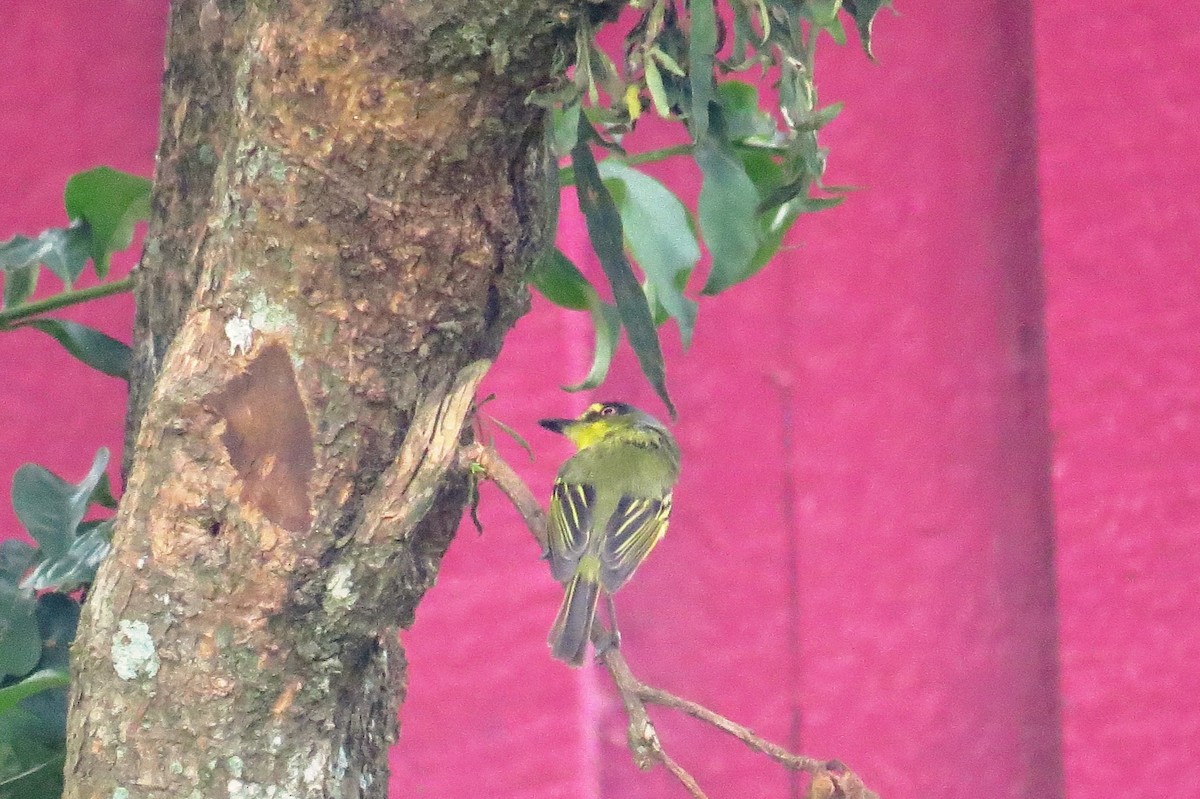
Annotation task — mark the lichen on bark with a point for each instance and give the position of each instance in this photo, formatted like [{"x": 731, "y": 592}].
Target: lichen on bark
[{"x": 347, "y": 199}]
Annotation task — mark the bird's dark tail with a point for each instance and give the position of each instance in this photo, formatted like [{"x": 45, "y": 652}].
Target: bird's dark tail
[{"x": 573, "y": 626}]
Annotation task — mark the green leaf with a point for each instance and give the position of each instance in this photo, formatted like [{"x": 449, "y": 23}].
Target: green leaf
[
  {"x": 728, "y": 215},
  {"x": 763, "y": 170},
  {"x": 77, "y": 567},
  {"x": 99, "y": 351},
  {"x": 20, "y": 644},
  {"x": 669, "y": 64},
  {"x": 744, "y": 120},
  {"x": 583, "y": 64},
  {"x": 64, "y": 251},
  {"x": 605, "y": 73},
  {"x": 564, "y": 128},
  {"x": 658, "y": 94},
  {"x": 15, "y": 559},
  {"x": 822, "y": 12},
  {"x": 836, "y": 31},
  {"x": 50, "y": 508},
  {"x": 864, "y": 12},
  {"x": 823, "y": 116},
  {"x": 111, "y": 203},
  {"x": 772, "y": 238},
  {"x": 702, "y": 50},
  {"x": 656, "y": 308},
  {"x": 775, "y": 220},
  {"x": 58, "y": 621},
  {"x": 102, "y": 495},
  {"x": 509, "y": 431},
  {"x": 810, "y": 205},
  {"x": 604, "y": 230},
  {"x": 606, "y": 323},
  {"x": 42, "y": 680},
  {"x": 655, "y": 21},
  {"x": 658, "y": 231},
  {"x": 31, "y": 757},
  {"x": 561, "y": 282},
  {"x": 19, "y": 285},
  {"x": 744, "y": 37},
  {"x": 783, "y": 194}
]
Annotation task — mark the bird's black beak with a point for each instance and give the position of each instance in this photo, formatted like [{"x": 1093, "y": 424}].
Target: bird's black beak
[{"x": 555, "y": 425}]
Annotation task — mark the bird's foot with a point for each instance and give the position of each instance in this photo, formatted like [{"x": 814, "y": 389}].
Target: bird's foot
[{"x": 606, "y": 640}]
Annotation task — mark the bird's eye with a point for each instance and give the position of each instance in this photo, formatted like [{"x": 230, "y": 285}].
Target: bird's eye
[{"x": 608, "y": 410}]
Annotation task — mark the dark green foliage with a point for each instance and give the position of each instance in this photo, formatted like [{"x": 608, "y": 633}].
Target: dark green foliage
[
  {"x": 50, "y": 508},
  {"x": 19, "y": 642},
  {"x": 659, "y": 235},
  {"x": 77, "y": 566},
  {"x": 759, "y": 175},
  {"x": 109, "y": 203},
  {"x": 99, "y": 351},
  {"x": 561, "y": 282},
  {"x": 702, "y": 53},
  {"x": 36, "y": 631},
  {"x": 38, "y": 614},
  {"x": 31, "y": 756},
  {"x": 103, "y": 206},
  {"x": 728, "y": 209},
  {"x": 605, "y": 232},
  {"x": 864, "y": 12},
  {"x": 64, "y": 251}
]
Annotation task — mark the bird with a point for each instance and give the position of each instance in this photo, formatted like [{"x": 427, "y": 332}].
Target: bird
[{"x": 609, "y": 507}]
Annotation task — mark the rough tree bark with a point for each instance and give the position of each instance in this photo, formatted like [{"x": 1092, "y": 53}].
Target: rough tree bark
[{"x": 347, "y": 199}]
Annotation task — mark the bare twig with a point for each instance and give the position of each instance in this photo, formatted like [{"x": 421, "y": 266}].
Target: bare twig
[
  {"x": 614, "y": 661},
  {"x": 499, "y": 472},
  {"x": 643, "y": 740},
  {"x": 830, "y": 779},
  {"x": 12, "y": 316},
  {"x": 657, "y": 696},
  {"x": 688, "y": 780}
]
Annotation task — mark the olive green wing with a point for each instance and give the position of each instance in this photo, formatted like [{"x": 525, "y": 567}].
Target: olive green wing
[
  {"x": 637, "y": 524},
  {"x": 571, "y": 511}
]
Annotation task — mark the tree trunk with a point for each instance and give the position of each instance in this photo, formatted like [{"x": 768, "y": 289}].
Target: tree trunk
[{"x": 348, "y": 196}]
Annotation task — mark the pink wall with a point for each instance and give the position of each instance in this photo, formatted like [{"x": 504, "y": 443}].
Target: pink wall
[
  {"x": 908, "y": 534},
  {"x": 1118, "y": 110},
  {"x": 77, "y": 89}
]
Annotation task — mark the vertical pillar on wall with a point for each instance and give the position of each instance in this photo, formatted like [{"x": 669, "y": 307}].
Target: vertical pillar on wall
[
  {"x": 922, "y": 448},
  {"x": 1118, "y": 105}
]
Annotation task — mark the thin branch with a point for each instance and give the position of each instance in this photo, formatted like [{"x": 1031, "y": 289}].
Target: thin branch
[
  {"x": 643, "y": 740},
  {"x": 508, "y": 481},
  {"x": 62, "y": 300},
  {"x": 688, "y": 781},
  {"x": 657, "y": 696},
  {"x": 829, "y": 778},
  {"x": 615, "y": 662}
]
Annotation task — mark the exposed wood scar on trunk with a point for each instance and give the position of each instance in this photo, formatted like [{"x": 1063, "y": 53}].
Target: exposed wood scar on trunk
[{"x": 269, "y": 439}]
